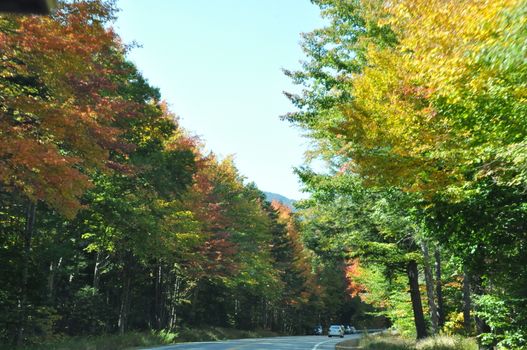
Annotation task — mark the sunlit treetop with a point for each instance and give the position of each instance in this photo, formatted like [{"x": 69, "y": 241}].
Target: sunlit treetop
[
  {"x": 61, "y": 113},
  {"x": 422, "y": 95}
]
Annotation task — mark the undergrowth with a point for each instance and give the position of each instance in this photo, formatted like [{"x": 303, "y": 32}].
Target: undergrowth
[
  {"x": 137, "y": 340},
  {"x": 390, "y": 342}
]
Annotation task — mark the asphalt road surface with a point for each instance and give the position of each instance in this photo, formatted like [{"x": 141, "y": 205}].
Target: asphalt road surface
[{"x": 311, "y": 342}]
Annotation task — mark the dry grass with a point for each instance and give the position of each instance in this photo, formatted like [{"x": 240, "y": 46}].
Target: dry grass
[
  {"x": 390, "y": 342},
  {"x": 447, "y": 343}
]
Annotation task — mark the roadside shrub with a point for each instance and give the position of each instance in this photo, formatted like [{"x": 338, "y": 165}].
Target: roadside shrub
[
  {"x": 388, "y": 342},
  {"x": 454, "y": 323},
  {"x": 446, "y": 343},
  {"x": 507, "y": 319},
  {"x": 86, "y": 312}
]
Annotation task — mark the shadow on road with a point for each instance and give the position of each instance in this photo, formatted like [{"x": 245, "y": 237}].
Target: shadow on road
[{"x": 348, "y": 344}]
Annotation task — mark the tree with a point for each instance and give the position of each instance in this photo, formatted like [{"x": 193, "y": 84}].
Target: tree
[
  {"x": 421, "y": 97},
  {"x": 346, "y": 220},
  {"x": 59, "y": 114}
]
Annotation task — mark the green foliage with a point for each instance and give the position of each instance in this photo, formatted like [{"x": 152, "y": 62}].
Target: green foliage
[
  {"x": 85, "y": 313},
  {"x": 135, "y": 227},
  {"x": 506, "y": 318},
  {"x": 345, "y": 220},
  {"x": 418, "y": 108}
]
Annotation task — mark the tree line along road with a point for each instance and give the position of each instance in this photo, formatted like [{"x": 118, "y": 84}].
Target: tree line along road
[{"x": 311, "y": 342}]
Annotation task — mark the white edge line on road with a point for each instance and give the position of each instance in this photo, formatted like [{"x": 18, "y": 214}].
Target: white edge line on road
[
  {"x": 322, "y": 342},
  {"x": 162, "y": 347}
]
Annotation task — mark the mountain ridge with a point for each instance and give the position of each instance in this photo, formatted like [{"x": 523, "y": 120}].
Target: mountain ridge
[{"x": 270, "y": 196}]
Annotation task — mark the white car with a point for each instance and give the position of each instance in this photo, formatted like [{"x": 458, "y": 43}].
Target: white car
[{"x": 336, "y": 330}]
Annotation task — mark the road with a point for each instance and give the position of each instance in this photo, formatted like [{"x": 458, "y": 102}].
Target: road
[{"x": 311, "y": 342}]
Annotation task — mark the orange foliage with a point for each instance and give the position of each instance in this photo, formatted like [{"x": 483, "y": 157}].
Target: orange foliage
[
  {"x": 59, "y": 111},
  {"x": 301, "y": 261},
  {"x": 209, "y": 207},
  {"x": 353, "y": 270}
]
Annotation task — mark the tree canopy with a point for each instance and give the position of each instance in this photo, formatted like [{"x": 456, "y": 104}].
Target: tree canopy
[
  {"x": 113, "y": 217},
  {"x": 418, "y": 108}
]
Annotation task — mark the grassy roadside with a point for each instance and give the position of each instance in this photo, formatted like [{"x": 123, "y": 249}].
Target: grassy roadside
[
  {"x": 389, "y": 342},
  {"x": 137, "y": 340}
]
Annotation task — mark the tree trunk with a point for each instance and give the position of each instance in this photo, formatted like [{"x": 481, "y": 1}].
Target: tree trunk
[
  {"x": 125, "y": 296},
  {"x": 439, "y": 289},
  {"x": 466, "y": 302},
  {"x": 482, "y": 327},
  {"x": 51, "y": 279},
  {"x": 236, "y": 311},
  {"x": 158, "y": 296},
  {"x": 22, "y": 301},
  {"x": 265, "y": 318},
  {"x": 96, "y": 270},
  {"x": 194, "y": 303},
  {"x": 430, "y": 289},
  {"x": 176, "y": 291},
  {"x": 417, "y": 306}
]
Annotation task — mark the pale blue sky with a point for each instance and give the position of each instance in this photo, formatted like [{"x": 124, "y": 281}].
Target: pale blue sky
[{"x": 218, "y": 64}]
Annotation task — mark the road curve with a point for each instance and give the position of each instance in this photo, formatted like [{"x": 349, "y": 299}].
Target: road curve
[{"x": 311, "y": 342}]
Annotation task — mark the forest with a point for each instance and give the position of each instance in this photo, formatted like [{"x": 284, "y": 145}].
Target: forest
[
  {"x": 419, "y": 108},
  {"x": 114, "y": 218}
]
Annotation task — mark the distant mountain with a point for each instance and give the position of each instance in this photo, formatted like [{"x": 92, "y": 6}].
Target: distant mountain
[{"x": 270, "y": 196}]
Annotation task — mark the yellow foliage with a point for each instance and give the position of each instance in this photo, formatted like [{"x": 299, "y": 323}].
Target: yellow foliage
[
  {"x": 443, "y": 38},
  {"x": 399, "y": 135},
  {"x": 454, "y": 323}
]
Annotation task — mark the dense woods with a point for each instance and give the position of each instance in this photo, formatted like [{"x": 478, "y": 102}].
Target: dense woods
[
  {"x": 419, "y": 109},
  {"x": 112, "y": 216}
]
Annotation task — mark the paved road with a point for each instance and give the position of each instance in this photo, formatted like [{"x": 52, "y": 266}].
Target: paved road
[{"x": 312, "y": 342}]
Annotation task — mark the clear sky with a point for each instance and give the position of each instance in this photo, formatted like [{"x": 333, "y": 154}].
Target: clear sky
[{"x": 218, "y": 64}]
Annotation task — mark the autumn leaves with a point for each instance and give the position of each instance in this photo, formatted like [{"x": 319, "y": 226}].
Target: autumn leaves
[{"x": 420, "y": 105}]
